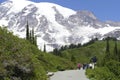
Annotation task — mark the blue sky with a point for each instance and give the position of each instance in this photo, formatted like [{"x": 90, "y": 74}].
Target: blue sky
[{"x": 102, "y": 9}]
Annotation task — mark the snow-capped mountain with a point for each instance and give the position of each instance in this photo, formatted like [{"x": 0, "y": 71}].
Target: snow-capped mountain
[{"x": 54, "y": 25}]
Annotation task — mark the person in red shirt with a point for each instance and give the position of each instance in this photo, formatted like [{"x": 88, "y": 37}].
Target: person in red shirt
[{"x": 79, "y": 66}]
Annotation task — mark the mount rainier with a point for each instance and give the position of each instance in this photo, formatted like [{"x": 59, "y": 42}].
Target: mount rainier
[{"x": 54, "y": 25}]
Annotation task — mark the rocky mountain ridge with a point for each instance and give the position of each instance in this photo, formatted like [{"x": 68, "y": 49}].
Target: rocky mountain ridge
[{"x": 54, "y": 25}]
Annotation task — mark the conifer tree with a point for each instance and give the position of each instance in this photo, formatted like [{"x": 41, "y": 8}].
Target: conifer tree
[
  {"x": 116, "y": 51},
  {"x": 62, "y": 48},
  {"x": 107, "y": 54},
  {"x": 44, "y": 48},
  {"x": 27, "y": 32},
  {"x": 32, "y": 38},
  {"x": 30, "y": 35},
  {"x": 115, "y": 48},
  {"x": 107, "y": 46},
  {"x": 119, "y": 55},
  {"x": 55, "y": 51},
  {"x": 35, "y": 40}
]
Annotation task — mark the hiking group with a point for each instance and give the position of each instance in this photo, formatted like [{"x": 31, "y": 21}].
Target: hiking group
[{"x": 90, "y": 65}]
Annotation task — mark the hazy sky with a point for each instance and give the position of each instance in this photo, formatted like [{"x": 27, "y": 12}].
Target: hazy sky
[{"x": 102, "y": 9}]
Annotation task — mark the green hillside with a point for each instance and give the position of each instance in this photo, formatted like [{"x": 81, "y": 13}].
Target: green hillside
[
  {"x": 108, "y": 64},
  {"x": 83, "y": 54},
  {"x": 20, "y": 60}
]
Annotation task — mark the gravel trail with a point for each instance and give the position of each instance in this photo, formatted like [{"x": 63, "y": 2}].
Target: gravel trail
[{"x": 69, "y": 75}]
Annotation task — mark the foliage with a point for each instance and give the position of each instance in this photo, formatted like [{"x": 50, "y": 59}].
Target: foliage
[
  {"x": 76, "y": 53},
  {"x": 110, "y": 65},
  {"x": 109, "y": 72},
  {"x": 21, "y": 60},
  {"x": 57, "y": 52},
  {"x": 73, "y": 59},
  {"x": 102, "y": 73},
  {"x": 85, "y": 53},
  {"x": 114, "y": 67},
  {"x": 107, "y": 53}
]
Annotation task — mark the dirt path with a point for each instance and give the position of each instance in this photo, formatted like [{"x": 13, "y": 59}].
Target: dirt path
[{"x": 69, "y": 75}]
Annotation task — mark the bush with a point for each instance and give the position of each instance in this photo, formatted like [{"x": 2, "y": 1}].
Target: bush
[
  {"x": 60, "y": 68},
  {"x": 102, "y": 73},
  {"x": 90, "y": 73},
  {"x": 114, "y": 67}
]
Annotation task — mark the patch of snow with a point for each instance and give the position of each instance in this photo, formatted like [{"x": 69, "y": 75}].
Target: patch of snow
[
  {"x": 3, "y": 23},
  {"x": 18, "y": 5},
  {"x": 106, "y": 30}
]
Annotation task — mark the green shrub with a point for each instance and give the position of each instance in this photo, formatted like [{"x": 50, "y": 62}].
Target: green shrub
[
  {"x": 114, "y": 67},
  {"x": 90, "y": 73},
  {"x": 60, "y": 68},
  {"x": 102, "y": 73}
]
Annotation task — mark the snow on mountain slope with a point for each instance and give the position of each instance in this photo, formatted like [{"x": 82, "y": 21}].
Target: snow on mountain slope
[
  {"x": 18, "y": 5},
  {"x": 3, "y": 23},
  {"x": 54, "y": 25}
]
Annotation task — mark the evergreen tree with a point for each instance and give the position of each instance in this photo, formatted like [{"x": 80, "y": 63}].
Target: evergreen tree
[
  {"x": 107, "y": 55},
  {"x": 72, "y": 46},
  {"x": 107, "y": 46},
  {"x": 44, "y": 48},
  {"x": 30, "y": 35},
  {"x": 55, "y": 51},
  {"x": 116, "y": 56},
  {"x": 65, "y": 47},
  {"x": 27, "y": 32},
  {"x": 32, "y": 38},
  {"x": 79, "y": 45},
  {"x": 35, "y": 40},
  {"x": 119, "y": 55},
  {"x": 62, "y": 48}
]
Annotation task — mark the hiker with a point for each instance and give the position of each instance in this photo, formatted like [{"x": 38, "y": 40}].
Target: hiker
[
  {"x": 87, "y": 66},
  {"x": 94, "y": 59},
  {"x": 79, "y": 66},
  {"x": 84, "y": 66},
  {"x": 90, "y": 65}
]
